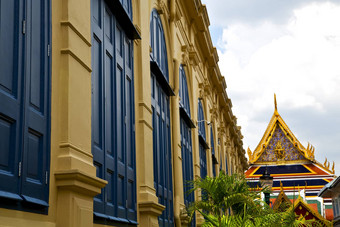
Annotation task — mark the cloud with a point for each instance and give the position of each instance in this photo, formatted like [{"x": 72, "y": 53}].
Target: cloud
[
  {"x": 293, "y": 51},
  {"x": 225, "y": 12}
]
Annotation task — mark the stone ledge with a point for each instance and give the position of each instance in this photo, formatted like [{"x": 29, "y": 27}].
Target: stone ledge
[
  {"x": 79, "y": 181},
  {"x": 150, "y": 207}
]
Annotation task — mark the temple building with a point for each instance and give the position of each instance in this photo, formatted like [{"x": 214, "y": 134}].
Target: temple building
[{"x": 298, "y": 176}]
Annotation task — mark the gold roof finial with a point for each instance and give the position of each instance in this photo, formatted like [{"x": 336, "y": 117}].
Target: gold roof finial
[
  {"x": 275, "y": 104},
  {"x": 250, "y": 155},
  {"x": 281, "y": 186}
]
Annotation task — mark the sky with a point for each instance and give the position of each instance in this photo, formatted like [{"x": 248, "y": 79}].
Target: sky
[{"x": 287, "y": 47}]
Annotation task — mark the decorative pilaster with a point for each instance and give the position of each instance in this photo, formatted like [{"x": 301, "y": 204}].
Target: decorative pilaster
[{"x": 71, "y": 158}]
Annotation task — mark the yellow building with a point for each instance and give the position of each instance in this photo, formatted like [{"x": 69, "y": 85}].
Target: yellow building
[{"x": 107, "y": 109}]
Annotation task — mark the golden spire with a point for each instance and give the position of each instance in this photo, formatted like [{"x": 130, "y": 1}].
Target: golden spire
[
  {"x": 275, "y": 104},
  {"x": 281, "y": 186}
]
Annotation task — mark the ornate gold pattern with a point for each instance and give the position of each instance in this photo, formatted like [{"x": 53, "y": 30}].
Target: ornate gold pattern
[
  {"x": 279, "y": 151},
  {"x": 309, "y": 152},
  {"x": 326, "y": 165}
]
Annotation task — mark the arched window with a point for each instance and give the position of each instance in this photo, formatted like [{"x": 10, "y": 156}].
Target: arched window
[
  {"x": 159, "y": 54},
  {"x": 183, "y": 91},
  {"x": 186, "y": 125},
  {"x": 202, "y": 140},
  {"x": 160, "y": 91}
]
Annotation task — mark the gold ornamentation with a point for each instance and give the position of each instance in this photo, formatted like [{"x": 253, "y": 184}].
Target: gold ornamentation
[
  {"x": 279, "y": 151},
  {"x": 265, "y": 151},
  {"x": 275, "y": 103},
  {"x": 250, "y": 155},
  {"x": 327, "y": 164},
  {"x": 310, "y": 151}
]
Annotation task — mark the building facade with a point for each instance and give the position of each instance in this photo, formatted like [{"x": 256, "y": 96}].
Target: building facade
[
  {"x": 332, "y": 190},
  {"x": 108, "y": 109},
  {"x": 297, "y": 175}
]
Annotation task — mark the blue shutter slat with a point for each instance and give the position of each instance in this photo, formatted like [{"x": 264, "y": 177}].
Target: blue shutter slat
[
  {"x": 121, "y": 124},
  {"x": 10, "y": 97},
  {"x": 108, "y": 101},
  {"x": 129, "y": 109},
  {"x": 36, "y": 134},
  {"x": 97, "y": 102}
]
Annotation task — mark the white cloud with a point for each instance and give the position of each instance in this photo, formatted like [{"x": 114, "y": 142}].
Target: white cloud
[{"x": 298, "y": 60}]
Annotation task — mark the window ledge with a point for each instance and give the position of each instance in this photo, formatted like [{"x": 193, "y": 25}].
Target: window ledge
[
  {"x": 161, "y": 78},
  {"x": 123, "y": 19},
  {"x": 203, "y": 142},
  {"x": 186, "y": 117}
]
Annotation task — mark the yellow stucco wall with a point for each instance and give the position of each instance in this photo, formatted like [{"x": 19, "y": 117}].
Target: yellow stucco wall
[{"x": 73, "y": 181}]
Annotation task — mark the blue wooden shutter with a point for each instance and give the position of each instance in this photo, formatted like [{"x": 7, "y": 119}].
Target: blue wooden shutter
[
  {"x": 11, "y": 76},
  {"x": 35, "y": 158},
  {"x": 113, "y": 135},
  {"x": 97, "y": 101},
  {"x": 24, "y": 95},
  {"x": 162, "y": 151},
  {"x": 202, "y": 138},
  {"x": 187, "y": 161},
  {"x": 120, "y": 120},
  {"x": 203, "y": 161},
  {"x": 187, "y": 164},
  {"x": 161, "y": 121},
  {"x": 212, "y": 152},
  {"x": 130, "y": 132}
]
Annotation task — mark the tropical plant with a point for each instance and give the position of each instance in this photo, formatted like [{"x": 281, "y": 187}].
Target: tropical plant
[{"x": 228, "y": 201}]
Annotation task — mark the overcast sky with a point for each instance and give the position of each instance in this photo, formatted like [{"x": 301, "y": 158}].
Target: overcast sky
[{"x": 287, "y": 47}]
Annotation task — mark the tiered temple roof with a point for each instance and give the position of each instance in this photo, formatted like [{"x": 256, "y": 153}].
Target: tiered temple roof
[{"x": 291, "y": 164}]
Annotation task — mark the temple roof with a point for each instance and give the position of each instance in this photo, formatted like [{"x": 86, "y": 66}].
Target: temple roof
[
  {"x": 282, "y": 200},
  {"x": 305, "y": 212},
  {"x": 279, "y": 146}
]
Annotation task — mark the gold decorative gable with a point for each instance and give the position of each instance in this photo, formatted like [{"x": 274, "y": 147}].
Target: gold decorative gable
[
  {"x": 279, "y": 145},
  {"x": 282, "y": 202},
  {"x": 305, "y": 212}
]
